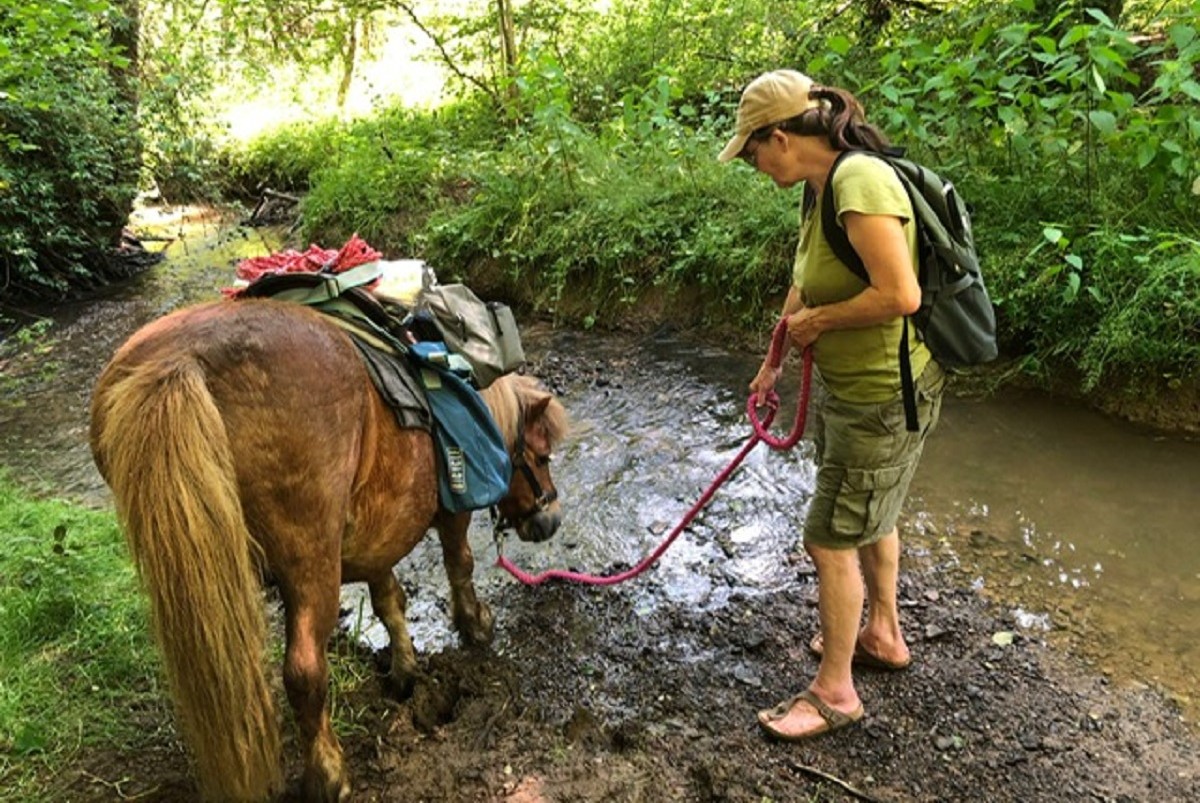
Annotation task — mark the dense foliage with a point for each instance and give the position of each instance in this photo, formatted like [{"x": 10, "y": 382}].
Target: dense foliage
[
  {"x": 69, "y": 145},
  {"x": 1076, "y": 139}
]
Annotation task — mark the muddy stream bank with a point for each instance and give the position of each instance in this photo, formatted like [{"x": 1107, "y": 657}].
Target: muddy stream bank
[{"x": 1049, "y": 588}]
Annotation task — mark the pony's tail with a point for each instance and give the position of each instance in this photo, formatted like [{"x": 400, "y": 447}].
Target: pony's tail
[{"x": 162, "y": 446}]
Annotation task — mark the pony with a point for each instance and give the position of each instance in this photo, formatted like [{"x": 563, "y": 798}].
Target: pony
[{"x": 244, "y": 445}]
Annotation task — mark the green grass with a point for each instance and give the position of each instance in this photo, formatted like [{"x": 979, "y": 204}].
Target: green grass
[
  {"x": 79, "y": 672},
  {"x": 75, "y": 649}
]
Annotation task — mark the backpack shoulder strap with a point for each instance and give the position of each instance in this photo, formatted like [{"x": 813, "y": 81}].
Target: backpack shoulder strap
[
  {"x": 835, "y": 235},
  {"x": 839, "y": 242}
]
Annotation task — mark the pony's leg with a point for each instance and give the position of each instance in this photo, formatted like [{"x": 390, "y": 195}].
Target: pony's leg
[
  {"x": 311, "y": 618},
  {"x": 389, "y": 603},
  {"x": 472, "y": 618}
]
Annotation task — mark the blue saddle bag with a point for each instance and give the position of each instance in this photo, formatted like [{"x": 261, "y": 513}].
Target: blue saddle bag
[{"x": 474, "y": 468}]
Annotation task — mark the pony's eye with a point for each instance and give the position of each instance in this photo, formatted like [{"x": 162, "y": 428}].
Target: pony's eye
[{"x": 542, "y": 460}]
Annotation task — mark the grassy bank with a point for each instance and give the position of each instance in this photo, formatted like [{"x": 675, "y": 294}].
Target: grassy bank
[
  {"x": 77, "y": 668},
  {"x": 82, "y": 700}
]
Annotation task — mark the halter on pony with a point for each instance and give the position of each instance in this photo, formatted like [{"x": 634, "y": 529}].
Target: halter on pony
[{"x": 541, "y": 498}]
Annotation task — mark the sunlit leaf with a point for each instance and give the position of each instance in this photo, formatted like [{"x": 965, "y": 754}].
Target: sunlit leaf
[
  {"x": 1103, "y": 121},
  {"x": 1182, "y": 35},
  {"x": 1145, "y": 153}
]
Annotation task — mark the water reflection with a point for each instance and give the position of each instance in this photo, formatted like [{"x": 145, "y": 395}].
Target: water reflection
[
  {"x": 1083, "y": 521},
  {"x": 47, "y": 386}
]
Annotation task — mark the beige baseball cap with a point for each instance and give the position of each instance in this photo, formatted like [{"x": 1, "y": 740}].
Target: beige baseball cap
[{"x": 770, "y": 98}]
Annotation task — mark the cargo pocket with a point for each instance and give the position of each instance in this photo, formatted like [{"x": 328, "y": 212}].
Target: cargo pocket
[
  {"x": 869, "y": 501},
  {"x": 929, "y": 397}
]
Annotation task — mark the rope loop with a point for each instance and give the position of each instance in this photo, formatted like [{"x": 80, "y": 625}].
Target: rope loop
[
  {"x": 771, "y": 403},
  {"x": 774, "y": 359}
]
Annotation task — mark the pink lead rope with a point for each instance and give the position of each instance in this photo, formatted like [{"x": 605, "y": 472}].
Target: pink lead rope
[{"x": 760, "y": 434}]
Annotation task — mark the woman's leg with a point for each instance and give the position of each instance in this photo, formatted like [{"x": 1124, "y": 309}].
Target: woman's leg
[
  {"x": 840, "y": 603},
  {"x": 882, "y": 636}
]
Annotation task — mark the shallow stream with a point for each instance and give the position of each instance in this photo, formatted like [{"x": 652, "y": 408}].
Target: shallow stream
[{"x": 1082, "y": 526}]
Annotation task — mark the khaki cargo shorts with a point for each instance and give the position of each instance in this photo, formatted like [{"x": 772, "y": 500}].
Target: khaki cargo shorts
[{"x": 866, "y": 459}]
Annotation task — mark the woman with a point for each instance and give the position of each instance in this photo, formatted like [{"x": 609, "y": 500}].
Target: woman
[{"x": 793, "y": 130}]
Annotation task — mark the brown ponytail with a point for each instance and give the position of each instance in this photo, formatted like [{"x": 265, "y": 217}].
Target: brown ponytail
[{"x": 840, "y": 118}]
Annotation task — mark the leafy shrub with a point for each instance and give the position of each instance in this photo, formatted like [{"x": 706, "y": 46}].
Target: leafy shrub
[
  {"x": 1076, "y": 142},
  {"x": 283, "y": 159},
  {"x": 66, "y": 189},
  {"x": 69, "y": 149},
  {"x": 384, "y": 181},
  {"x": 612, "y": 211},
  {"x": 381, "y": 177},
  {"x": 1151, "y": 329}
]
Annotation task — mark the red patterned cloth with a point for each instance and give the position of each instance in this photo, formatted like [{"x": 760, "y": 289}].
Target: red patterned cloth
[{"x": 355, "y": 252}]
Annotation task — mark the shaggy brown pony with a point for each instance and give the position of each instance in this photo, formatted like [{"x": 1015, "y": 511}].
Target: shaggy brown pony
[{"x": 243, "y": 441}]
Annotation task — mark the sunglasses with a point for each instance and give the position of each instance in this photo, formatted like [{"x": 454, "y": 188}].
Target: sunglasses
[{"x": 758, "y": 137}]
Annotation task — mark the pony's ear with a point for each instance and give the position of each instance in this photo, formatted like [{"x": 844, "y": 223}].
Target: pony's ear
[{"x": 538, "y": 409}]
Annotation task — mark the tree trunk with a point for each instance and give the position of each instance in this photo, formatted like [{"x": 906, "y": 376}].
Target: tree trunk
[
  {"x": 126, "y": 34},
  {"x": 349, "y": 58},
  {"x": 508, "y": 46}
]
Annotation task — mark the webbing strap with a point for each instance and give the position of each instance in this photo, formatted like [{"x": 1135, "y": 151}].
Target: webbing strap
[
  {"x": 348, "y": 317},
  {"x": 332, "y": 285},
  {"x": 908, "y": 390}
]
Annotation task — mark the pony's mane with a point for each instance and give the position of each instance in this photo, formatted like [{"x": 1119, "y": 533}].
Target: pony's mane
[{"x": 508, "y": 398}]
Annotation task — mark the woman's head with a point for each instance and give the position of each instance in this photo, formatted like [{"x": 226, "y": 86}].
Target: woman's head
[{"x": 788, "y": 100}]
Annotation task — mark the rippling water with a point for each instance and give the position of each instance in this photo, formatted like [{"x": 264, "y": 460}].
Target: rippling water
[{"x": 1084, "y": 524}]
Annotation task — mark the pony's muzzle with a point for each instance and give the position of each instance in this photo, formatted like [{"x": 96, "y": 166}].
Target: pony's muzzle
[{"x": 540, "y": 526}]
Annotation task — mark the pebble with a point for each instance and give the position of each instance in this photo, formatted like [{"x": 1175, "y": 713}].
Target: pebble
[
  {"x": 748, "y": 676},
  {"x": 934, "y": 631}
]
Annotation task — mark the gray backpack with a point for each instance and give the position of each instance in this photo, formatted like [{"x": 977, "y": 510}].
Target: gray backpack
[
  {"x": 956, "y": 319},
  {"x": 485, "y": 333}
]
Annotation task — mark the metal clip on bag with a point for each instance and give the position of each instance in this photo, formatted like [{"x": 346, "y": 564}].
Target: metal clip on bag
[{"x": 484, "y": 333}]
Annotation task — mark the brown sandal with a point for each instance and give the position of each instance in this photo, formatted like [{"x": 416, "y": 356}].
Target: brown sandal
[
  {"x": 834, "y": 719},
  {"x": 862, "y": 656}
]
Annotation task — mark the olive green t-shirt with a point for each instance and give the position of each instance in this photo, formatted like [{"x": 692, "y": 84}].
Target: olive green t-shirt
[{"x": 857, "y": 365}]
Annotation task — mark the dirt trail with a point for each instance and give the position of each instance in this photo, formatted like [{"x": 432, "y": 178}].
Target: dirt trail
[{"x": 583, "y": 699}]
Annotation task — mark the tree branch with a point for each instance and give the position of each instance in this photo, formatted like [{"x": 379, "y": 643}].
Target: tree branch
[
  {"x": 833, "y": 779},
  {"x": 447, "y": 59}
]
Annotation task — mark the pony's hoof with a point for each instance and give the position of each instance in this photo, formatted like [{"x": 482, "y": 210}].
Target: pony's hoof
[
  {"x": 401, "y": 684},
  {"x": 325, "y": 778},
  {"x": 480, "y": 629},
  {"x": 326, "y": 790}
]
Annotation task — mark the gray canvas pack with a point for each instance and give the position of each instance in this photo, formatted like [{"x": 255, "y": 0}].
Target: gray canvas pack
[{"x": 485, "y": 333}]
